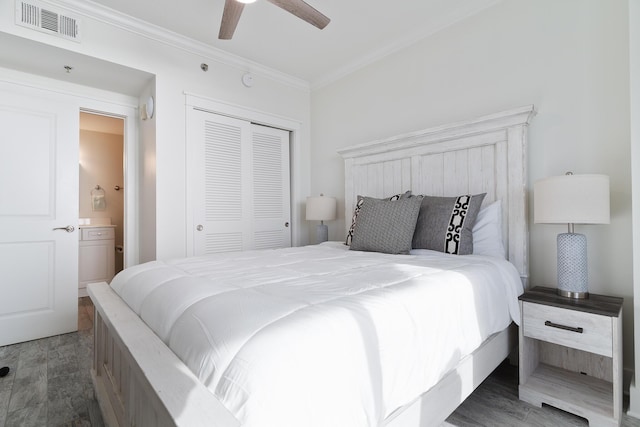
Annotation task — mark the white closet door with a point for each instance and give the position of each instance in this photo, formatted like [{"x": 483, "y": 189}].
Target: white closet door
[
  {"x": 271, "y": 195},
  {"x": 238, "y": 173},
  {"x": 219, "y": 190}
]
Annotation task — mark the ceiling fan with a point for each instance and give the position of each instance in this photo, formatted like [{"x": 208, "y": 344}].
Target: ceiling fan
[{"x": 233, "y": 10}]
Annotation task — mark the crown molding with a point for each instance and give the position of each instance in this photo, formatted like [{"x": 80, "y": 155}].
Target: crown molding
[
  {"x": 142, "y": 28},
  {"x": 399, "y": 45}
]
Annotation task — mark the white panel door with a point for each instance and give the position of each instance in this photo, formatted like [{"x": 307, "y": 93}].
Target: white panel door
[
  {"x": 238, "y": 185},
  {"x": 38, "y": 193}
]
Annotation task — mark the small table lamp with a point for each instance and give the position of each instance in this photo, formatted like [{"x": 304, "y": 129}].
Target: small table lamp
[
  {"x": 321, "y": 209},
  {"x": 572, "y": 199}
]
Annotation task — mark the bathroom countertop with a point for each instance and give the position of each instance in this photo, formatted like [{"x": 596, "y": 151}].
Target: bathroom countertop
[{"x": 94, "y": 222}]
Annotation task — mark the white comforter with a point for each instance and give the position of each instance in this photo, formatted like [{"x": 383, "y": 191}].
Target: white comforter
[{"x": 320, "y": 335}]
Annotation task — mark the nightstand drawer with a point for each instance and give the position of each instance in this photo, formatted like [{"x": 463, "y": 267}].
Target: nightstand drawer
[{"x": 576, "y": 329}]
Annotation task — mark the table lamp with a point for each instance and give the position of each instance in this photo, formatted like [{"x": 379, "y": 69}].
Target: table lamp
[
  {"x": 572, "y": 199},
  {"x": 321, "y": 209}
]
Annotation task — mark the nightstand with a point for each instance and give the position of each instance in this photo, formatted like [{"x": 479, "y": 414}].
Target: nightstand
[{"x": 571, "y": 354}]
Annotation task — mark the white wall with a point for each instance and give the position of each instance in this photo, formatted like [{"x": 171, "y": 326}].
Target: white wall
[
  {"x": 147, "y": 200},
  {"x": 634, "y": 74},
  {"x": 569, "y": 58},
  {"x": 176, "y": 72}
]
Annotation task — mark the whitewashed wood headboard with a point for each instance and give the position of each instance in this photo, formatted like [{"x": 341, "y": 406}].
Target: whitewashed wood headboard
[{"x": 485, "y": 155}]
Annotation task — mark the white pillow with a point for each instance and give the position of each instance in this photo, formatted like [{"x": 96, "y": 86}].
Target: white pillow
[{"x": 487, "y": 231}]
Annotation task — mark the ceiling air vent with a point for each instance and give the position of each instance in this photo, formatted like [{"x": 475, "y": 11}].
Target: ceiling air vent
[{"x": 37, "y": 16}]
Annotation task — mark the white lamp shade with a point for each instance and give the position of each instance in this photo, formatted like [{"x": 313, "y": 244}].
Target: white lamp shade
[
  {"x": 571, "y": 199},
  {"x": 321, "y": 208}
]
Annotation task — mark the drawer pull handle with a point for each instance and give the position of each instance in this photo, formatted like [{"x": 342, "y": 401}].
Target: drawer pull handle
[{"x": 566, "y": 328}]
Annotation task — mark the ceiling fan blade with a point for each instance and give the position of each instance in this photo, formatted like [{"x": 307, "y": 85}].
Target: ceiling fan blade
[
  {"x": 303, "y": 11},
  {"x": 230, "y": 18}
]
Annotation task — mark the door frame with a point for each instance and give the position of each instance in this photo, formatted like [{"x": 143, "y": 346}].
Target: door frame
[
  {"x": 129, "y": 114},
  {"x": 99, "y": 101},
  {"x": 261, "y": 118}
]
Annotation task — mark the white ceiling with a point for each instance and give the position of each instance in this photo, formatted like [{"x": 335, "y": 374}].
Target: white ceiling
[{"x": 360, "y": 31}]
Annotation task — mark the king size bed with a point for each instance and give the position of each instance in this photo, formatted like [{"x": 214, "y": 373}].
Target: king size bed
[{"x": 378, "y": 333}]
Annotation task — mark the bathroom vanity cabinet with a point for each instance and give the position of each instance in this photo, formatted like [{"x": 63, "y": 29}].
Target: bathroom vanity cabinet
[{"x": 96, "y": 256}]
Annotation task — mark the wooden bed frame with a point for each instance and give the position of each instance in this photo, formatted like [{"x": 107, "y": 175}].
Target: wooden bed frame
[{"x": 139, "y": 381}]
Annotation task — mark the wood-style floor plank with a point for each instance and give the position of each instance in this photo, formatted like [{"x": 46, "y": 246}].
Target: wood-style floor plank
[
  {"x": 49, "y": 384},
  {"x": 495, "y": 403}
]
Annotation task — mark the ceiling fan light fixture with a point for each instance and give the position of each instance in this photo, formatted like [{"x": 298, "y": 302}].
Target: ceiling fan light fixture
[{"x": 301, "y": 9}]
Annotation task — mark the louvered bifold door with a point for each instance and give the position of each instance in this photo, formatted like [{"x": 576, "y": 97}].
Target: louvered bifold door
[
  {"x": 238, "y": 194},
  {"x": 270, "y": 185},
  {"x": 218, "y": 185}
]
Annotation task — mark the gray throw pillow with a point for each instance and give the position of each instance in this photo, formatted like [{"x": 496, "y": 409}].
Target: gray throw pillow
[
  {"x": 445, "y": 224},
  {"x": 356, "y": 211},
  {"x": 386, "y": 225}
]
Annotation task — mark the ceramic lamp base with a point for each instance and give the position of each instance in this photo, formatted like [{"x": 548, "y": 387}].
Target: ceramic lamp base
[
  {"x": 573, "y": 279},
  {"x": 322, "y": 233}
]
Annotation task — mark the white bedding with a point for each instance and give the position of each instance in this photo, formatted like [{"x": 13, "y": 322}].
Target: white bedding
[{"x": 321, "y": 335}]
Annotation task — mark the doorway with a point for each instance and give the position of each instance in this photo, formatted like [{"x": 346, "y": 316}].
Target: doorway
[
  {"x": 101, "y": 198},
  {"x": 39, "y": 209}
]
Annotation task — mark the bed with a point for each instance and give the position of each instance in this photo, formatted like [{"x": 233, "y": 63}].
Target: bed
[{"x": 328, "y": 300}]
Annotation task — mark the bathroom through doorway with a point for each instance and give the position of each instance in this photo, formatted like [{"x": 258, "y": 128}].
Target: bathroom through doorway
[{"x": 101, "y": 198}]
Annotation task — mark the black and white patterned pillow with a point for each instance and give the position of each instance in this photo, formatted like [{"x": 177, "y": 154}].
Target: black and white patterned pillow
[
  {"x": 358, "y": 207},
  {"x": 445, "y": 224}
]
